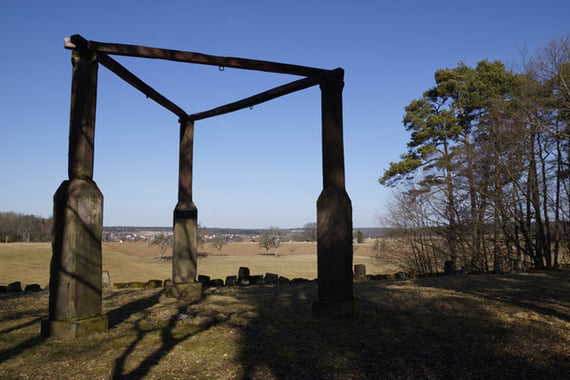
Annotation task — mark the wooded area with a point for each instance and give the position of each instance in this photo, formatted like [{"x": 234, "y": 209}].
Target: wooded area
[
  {"x": 485, "y": 180},
  {"x": 25, "y": 228}
]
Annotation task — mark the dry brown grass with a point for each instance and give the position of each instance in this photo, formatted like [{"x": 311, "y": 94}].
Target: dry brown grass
[
  {"x": 473, "y": 327},
  {"x": 249, "y": 249},
  {"x": 29, "y": 262}
]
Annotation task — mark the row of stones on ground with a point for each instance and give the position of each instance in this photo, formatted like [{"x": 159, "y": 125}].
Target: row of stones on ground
[
  {"x": 16, "y": 287},
  {"x": 244, "y": 278}
]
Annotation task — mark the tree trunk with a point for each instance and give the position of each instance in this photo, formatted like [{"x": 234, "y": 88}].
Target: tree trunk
[
  {"x": 557, "y": 197},
  {"x": 534, "y": 199},
  {"x": 452, "y": 233},
  {"x": 475, "y": 226},
  {"x": 547, "y": 237},
  {"x": 496, "y": 218}
]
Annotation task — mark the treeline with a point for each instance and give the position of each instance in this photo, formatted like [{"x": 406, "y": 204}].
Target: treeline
[
  {"x": 485, "y": 180},
  {"x": 16, "y": 227}
]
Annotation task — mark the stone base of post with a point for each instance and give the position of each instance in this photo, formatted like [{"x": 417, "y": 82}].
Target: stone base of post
[
  {"x": 75, "y": 270},
  {"x": 74, "y": 329},
  {"x": 338, "y": 309},
  {"x": 190, "y": 292},
  {"x": 185, "y": 247},
  {"x": 334, "y": 254}
]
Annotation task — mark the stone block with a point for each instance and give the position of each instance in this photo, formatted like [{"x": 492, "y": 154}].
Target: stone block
[
  {"x": 334, "y": 239},
  {"x": 217, "y": 283},
  {"x": 74, "y": 328},
  {"x": 243, "y": 275},
  {"x": 256, "y": 279},
  {"x": 360, "y": 272},
  {"x": 76, "y": 263},
  {"x": 231, "y": 280},
  {"x": 381, "y": 276},
  {"x": 185, "y": 248},
  {"x": 154, "y": 284},
  {"x": 204, "y": 280},
  {"x": 271, "y": 278},
  {"x": 106, "y": 280},
  {"x": 136, "y": 285},
  {"x": 31, "y": 288},
  {"x": 167, "y": 282},
  {"x": 121, "y": 285},
  {"x": 449, "y": 267},
  {"x": 284, "y": 280},
  {"x": 299, "y": 280},
  {"x": 14, "y": 287}
]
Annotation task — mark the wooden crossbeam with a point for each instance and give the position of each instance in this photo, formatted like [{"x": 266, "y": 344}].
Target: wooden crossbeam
[
  {"x": 262, "y": 97},
  {"x": 137, "y": 83},
  {"x": 192, "y": 57},
  {"x": 78, "y": 42},
  {"x": 314, "y": 75}
]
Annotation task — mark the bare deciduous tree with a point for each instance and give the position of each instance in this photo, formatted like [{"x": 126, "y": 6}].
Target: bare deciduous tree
[
  {"x": 163, "y": 242},
  {"x": 219, "y": 242},
  {"x": 271, "y": 238}
]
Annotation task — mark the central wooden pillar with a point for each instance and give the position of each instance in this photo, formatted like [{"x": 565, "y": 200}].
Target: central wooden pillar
[
  {"x": 75, "y": 270},
  {"x": 334, "y": 212},
  {"x": 185, "y": 247}
]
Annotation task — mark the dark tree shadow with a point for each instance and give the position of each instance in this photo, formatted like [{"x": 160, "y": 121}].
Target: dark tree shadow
[
  {"x": 30, "y": 309},
  {"x": 400, "y": 334},
  {"x": 547, "y": 293},
  {"x": 438, "y": 328},
  {"x": 168, "y": 342}
]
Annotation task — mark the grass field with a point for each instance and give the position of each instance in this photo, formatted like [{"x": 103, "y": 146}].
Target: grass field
[
  {"x": 513, "y": 326},
  {"x": 29, "y": 262},
  {"x": 464, "y": 327}
]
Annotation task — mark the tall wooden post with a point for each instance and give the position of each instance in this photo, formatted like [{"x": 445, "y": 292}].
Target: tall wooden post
[
  {"x": 185, "y": 247},
  {"x": 334, "y": 212},
  {"x": 76, "y": 264}
]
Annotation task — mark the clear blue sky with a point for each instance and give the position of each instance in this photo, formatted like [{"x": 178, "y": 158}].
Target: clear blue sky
[{"x": 252, "y": 168}]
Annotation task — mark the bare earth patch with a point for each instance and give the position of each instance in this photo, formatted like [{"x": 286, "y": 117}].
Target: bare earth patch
[{"x": 472, "y": 327}]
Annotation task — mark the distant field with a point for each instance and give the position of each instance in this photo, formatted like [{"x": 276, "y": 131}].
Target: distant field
[
  {"x": 239, "y": 249},
  {"x": 29, "y": 262}
]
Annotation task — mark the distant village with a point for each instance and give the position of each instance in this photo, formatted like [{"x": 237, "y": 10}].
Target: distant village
[
  {"x": 148, "y": 235},
  {"x": 135, "y": 234},
  {"x": 15, "y": 227}
]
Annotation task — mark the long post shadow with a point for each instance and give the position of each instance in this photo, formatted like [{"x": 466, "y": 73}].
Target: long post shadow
[
  {"x": 169, "y": 341},
  {"x": 17, "y": 350}
]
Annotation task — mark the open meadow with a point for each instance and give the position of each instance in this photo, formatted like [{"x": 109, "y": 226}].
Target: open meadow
[
  {"x": 512, "y": 326},
  {"x": 137, "y": 261}
]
